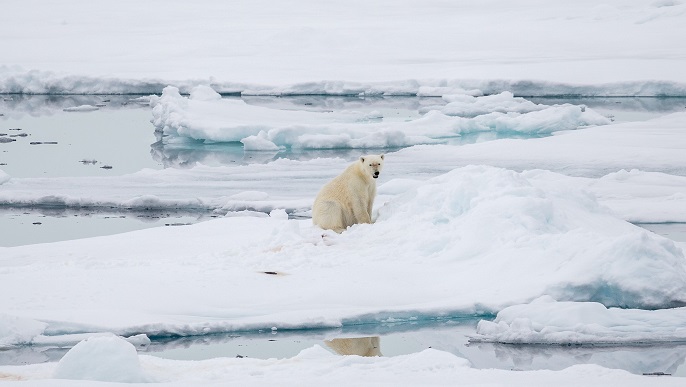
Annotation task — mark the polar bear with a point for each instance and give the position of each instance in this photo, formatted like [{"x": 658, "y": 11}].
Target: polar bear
[{"x": 348, "y": 198}]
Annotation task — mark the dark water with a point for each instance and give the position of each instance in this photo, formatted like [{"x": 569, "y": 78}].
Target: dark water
[{"x": 673, "y": 231}]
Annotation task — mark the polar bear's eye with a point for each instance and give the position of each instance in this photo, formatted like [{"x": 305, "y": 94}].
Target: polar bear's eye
[{"x": 370, "y": 165}]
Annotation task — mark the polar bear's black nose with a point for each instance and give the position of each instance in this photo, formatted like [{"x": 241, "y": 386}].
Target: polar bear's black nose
[{"x": 376, "y": 174}]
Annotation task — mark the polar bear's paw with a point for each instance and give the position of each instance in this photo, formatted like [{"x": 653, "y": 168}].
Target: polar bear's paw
[{"x": 329, "y": 237}]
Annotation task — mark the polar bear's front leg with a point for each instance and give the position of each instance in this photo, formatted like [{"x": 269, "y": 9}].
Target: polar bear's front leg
[
  {"x": 361, "y": 212},
  {"x": 370, "y": 205}
]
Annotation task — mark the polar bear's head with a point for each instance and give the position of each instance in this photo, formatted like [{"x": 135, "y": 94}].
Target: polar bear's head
[{"x": 372, "y": 165}]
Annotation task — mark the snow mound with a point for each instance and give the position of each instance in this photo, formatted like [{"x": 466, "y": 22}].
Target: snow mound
[
  {"x": 657, "y": 198},
  {"x": 104, "y": 359},
  {"x": 313, "y": 353},
  {"x": 17, "y": 331},
  {"x": 15, "y": 80},
  {"x": 259, "y": 142},
  {"x": 4, "y": 177},
  {"x": 546, "y": 321},
  {"x": 581, "y": 251},
  {"x": 472, "y": 106},
  {"x": 205, "y": 116},
  {"x": 505, "y": 112}
]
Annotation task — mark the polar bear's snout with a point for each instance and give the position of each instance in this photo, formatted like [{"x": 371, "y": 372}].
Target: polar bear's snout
[{"x": 373, "y": 164}]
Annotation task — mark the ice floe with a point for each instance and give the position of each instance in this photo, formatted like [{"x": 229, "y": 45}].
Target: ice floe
[
  {"x": 104, "y": 359},
  {"x": 205, "y": 116},
  {"x": 546, "y": 321}
]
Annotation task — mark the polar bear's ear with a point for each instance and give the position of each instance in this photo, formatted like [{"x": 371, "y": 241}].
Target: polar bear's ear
[
  {"x": 362, "y": 159},
  {"x": 381, "y": 156}
]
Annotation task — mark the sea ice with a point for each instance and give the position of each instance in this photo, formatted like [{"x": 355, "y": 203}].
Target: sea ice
[
  {"x": 4, "y": 177},
  {"x": 102, "y": 358},
  {"x": 546, "y": 321},
  {"x": 18, "y": 331},
  {"x": 471, "y": 106}
]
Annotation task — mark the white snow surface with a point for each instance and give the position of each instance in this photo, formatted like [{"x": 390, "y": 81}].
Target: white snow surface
[
  {"x": 466, "y": 105},
  {"x": 345, "y": 47},
  {"x": 205, "y": 116},
  {"x": 17, "y": 331},
  {"x": 546, "y": 321}
]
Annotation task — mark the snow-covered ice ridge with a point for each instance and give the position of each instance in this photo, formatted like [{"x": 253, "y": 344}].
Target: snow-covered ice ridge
[
  {"x": 205, "y": 116},
  {"x": 13, "y": 81},
  {"x": 304, "y": 46}
]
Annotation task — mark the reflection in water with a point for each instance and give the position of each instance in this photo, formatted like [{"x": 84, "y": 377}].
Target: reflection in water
[
  {"x": 143, "y": 215},
  {"x": 186, "y": 153},
  {"x": 638, "y": 359},
  {"x": 360, "y": 346},
  {"x": 673, "y": 231},
  {"x": 18, "y": 105},
  {"x": 31, "y": 355},
  {"x": 179, "y": 152},
  {"x": 621, "y": 104},
  {"x": 29, "y": 225},
  {"x": 399, "y": 339}
]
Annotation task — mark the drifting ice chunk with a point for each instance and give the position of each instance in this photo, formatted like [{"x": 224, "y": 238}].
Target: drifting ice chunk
[
  {"x": 546, "y": 321},
  {"x": 18, "y": 331},
  {"x": 105, "y": 359},
  {"x": 4, "y": 177}
]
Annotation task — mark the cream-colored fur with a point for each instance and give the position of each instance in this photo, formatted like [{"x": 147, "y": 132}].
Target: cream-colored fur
[{"x": 349, "y": 197}]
